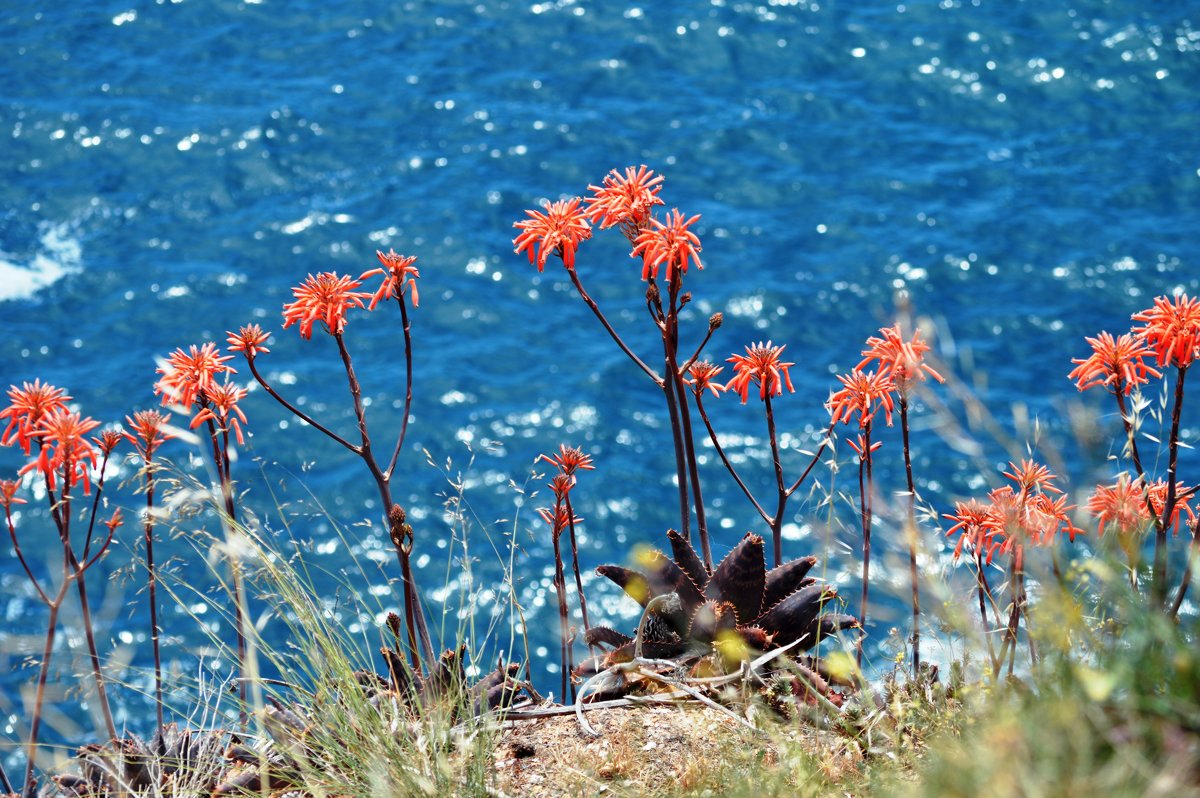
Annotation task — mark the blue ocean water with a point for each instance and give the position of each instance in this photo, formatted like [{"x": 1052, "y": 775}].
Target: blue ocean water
[{"x": 1016, "y": 174}]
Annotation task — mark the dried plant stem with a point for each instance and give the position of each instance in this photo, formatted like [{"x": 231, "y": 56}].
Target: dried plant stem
[{"x": 911, "y": 534}]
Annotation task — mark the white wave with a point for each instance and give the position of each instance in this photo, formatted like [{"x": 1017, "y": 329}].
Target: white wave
[{"x": 59, "y": 254}]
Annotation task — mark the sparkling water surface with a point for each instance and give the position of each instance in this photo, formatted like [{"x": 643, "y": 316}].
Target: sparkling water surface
[{"x": 1016, "y": 174}]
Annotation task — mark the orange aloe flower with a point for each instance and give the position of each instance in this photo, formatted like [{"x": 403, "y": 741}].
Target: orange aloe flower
[
  {"x": 27, "y": 405},
  {"x": 148, "y": 432},
  {"x": 1158, "y": 501},
  {"x": 558, "y": 518},
  {"x": 671, "y": 243},
  {"x": 1032, "y": 477},
  {"x": 1172, "y": 330},
  {"x": 859, "y": 445},
  {"x": 559, "y": 230},
  {"x": 8, "y": 493},
  {"x": 115, "y": 522},
  {"x": 248, "y": 340},
  {"x": 1121, "y": 504},
  {"x": 863, "y": 393},
  {"x": 761, "y": 365},
  {"x": 108, "y": 440},
  {"x": 223, "y": 410},
  {"x": 1118, "y": 363},
  {"x": 973, "y": 524},
  {"x": 624, "y": 200},
  {"x": 64, "y": 448},
  {"x": 324, "y": 298},
  {"x": 700, "y": 377},
  {"x": 398, "y": 269},
  {"x": 186, "y": 375},
  {"x": 903, "y": 361},
  {"x": 568, "y": 460}
]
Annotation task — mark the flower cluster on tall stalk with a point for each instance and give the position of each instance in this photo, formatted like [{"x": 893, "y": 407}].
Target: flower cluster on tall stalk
[
  {"x": 761, "y": 365},
  {"x": 562, "y": 518},
  {"x": 323, "y": 302},
  {"x": 862, "y": 395},
  {"x": 904, "y": 362},
  {"x": 666, "y": 247},
  {"x": 40, "y": 419},
  {"x": 1032, "y": 511},
  {"x": 1169, "y": 334},
  {"x": 197, "y": 380}
]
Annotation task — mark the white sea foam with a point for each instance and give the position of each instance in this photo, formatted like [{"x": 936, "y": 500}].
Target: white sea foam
[{"x": 59, "y": 254}]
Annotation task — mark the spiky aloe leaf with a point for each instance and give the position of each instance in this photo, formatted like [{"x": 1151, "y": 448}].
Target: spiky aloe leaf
[
  {"x": 740, "y": 579},
  {"x": 786, "y": 579}
]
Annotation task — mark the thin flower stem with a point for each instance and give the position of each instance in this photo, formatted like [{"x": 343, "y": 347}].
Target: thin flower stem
[
  {"x": 12, "y": 533},
  {"x": 406, "y": 325},
  {"x": 1160, "y": 552},
  {"x": 712, "y": 435},
  {"x": 1188, "y": 568},
  {"x": 591, "y": 303},
  {"x": 981, "y": 579},
  {"x": 864, "y": 490},
  {"x": 777, "y": 520},
  {"x": 43, "y": 672},
  {"x": 151, "y": 582},
  {"x": 297, "y": 411},
  {"x": 412, "y": 599},
  {"x": 685, "y": 416},
  {"x": 587, "y": 625},
  {"x": 221, "y": 459},
  {"x": 911, "y": 533},
  {"x": 670, "y": 339},
  {"x": 695, "y": 355},
  {"x": 815, "y": 459},
  {"x": 560, "y": 588}
]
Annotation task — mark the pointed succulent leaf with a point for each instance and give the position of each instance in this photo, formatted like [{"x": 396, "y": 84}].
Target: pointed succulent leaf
[
  {"x": 740, "y": 579},
  {"x": 786, "y": 579},
  {"x": 796, "y": 616},
  {"x": 687, "y": 559},
  {"x": 604, "y": 636}
]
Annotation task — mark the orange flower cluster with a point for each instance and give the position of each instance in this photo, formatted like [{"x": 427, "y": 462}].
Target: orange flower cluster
[
  {"x": 903, "y": 361},
  {"x": 398, "y": 271},
  {"x": 27, "y": 406},
  {"x": 763, "y": 366},
  {"x": 148, "y": 432},
  {"x": 626, "y": 200},
  {"x": 621, "y": 200},
  {"x": 64, "y": 448},
  {"x": 671, "y": 243},
  {"x": 557, "y": 231},
  {"x": 324, "y": 297},
  {"x": 1014, "y": 515},
  {"x": 701, "y": 375},
  {"x": 864, "y": 394},
  {"x": 1170, "y": 332},
  {"x": 1123, "y": 505}
]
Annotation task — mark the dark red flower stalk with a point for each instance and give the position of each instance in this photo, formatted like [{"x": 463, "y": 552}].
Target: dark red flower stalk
[
  {"x": 326, "y": 298},
  {"x": 559, "y": 519},
  {"x": 148, "y": 431},
  {"x": 971, "y": 525},
  {"x": 1172, "y": 330},
  {"x": 569, "y": 460}
]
